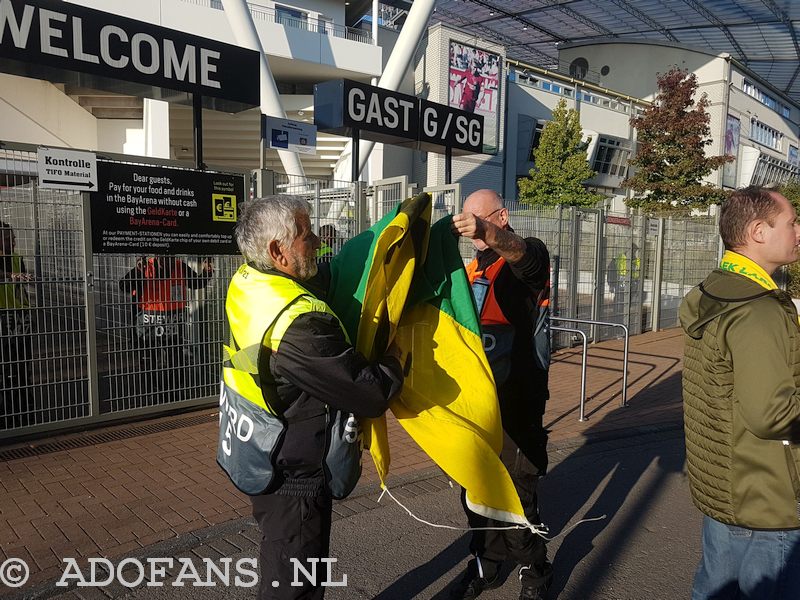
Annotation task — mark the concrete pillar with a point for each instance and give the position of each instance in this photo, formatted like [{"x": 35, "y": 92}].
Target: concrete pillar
[
  {"x": 244, "y": 30},
  {"x": 156, "y": 128},
  {"x": 400, "y": 60}
]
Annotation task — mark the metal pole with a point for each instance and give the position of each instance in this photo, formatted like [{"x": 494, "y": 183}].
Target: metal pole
[
  {"x": 658, "y": 277},
  {"x": 91, "y": 323},
  {"x": 584, "y": 358},
  {"x": 197, "y": 114},
  {"x": 262, "y": 144},
  {"x": 354, "y": 167},
  {"x": 599, "y": 282},
  {"x": 625, "y": 349},
  {"x": 625, "y": 371},
  {"x": 642, "y": 229},
  {"x": 317, "y": 206},
  {"x": 37, "y": 246},
  {"x": 574, "y": 272},
  {"x": 557, "y": 261},
  {"x": 448, "y": 165}
]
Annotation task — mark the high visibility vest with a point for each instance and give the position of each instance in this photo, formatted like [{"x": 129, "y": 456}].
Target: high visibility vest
[
  {"x": 622, "y": 266},
  {"x": 498, "y": 332},
  {"x": 324, "y": 250},
  {"x": 13, "y": 295},
  {"x": 260, "y": 308},
  {"x": 163, "y": 294}
]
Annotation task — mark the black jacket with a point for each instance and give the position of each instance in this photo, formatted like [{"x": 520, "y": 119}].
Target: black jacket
[
  {"x": 315, "y": 365},
  {"x": 524, "y": 394}
]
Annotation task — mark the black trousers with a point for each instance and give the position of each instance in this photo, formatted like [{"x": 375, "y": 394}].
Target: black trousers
[
  {"x": 296, "y": 528},
  {"x": 522, "y": 546}
]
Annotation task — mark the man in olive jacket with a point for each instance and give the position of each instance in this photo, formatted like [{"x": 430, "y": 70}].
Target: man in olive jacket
[{"x": 741, "y": 394}]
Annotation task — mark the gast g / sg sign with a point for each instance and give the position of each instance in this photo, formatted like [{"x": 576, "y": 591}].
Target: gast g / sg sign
[
  {"x": 394, "y": 118},
  {"x": 68, "y": 43}
]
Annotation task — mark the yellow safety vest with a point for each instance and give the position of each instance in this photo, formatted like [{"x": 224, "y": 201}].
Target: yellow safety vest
[
  {"x": 13, "y": 295},
  {"x": 324, "y": 250},
  {"x": 260, "y": 308},
  {"x": 622, "y": 266}
]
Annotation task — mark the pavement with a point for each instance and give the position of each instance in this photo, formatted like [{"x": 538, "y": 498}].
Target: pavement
[{"x": 153, "y": 489}]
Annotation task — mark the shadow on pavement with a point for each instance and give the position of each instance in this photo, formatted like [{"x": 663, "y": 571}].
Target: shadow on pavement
[
  {"x": 413, "y": 583},
  {"x": 570, "y": 492}
]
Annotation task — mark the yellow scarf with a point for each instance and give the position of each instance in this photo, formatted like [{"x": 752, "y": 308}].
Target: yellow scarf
[{"x": 740, "y": 264}]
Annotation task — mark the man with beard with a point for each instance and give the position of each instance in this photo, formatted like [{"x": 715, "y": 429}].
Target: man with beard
[{"x": 291, "y": 385}]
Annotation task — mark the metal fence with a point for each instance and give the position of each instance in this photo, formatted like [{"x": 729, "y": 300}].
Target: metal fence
[
  {"x": 627, "y": 269},
  {"x": 297, "y": 19},
  {"x": 77, "y": 345}
]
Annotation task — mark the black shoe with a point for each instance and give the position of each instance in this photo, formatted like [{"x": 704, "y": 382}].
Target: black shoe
[
  {"x": 536, "y": 592},
  {"x": 471, "y": 584},
  {"x": 528, "y": 592}
]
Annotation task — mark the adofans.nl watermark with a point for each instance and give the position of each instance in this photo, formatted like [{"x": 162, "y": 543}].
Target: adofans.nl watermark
[
  {"x": 180, "y": 572},
  {"x": 174, "y": 572}
]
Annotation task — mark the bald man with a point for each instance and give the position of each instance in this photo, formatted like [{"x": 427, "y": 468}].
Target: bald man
[{"x": 510, "y": 278}]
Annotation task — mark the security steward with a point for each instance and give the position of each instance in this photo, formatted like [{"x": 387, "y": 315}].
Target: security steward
[
  {"x": 158, "y": 287},
  {"x": 16, "y": 344},
  {"x": 293, "y": 387},
  {"x": 510, "y": 279}
]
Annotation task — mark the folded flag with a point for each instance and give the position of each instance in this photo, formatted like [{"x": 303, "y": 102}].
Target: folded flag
[{"x": 404, "y": 280}]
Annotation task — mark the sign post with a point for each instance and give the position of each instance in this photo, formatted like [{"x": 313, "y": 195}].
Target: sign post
[
  {"x": 361, "y": 111},
  {"x": 197, "y": 131},
  {"x": 355, "y": 158}
]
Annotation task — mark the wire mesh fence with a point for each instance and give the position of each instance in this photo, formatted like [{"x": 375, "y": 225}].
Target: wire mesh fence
[{"x": 86, "y": 336}]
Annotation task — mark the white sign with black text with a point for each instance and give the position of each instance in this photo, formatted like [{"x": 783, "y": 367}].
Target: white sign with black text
[
  {"x": 67, "y": 169},
  {"x": 294, "y": 136}
]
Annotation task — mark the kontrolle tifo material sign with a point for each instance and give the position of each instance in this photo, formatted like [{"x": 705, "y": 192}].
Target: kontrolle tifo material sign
[
  {"x": 67, "y": 169},
  {"x": 381, "y": 115},
  {"x": 159, "y": 210}
]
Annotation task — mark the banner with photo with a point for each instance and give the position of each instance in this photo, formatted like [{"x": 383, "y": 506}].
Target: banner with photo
[
  {"x": 475, "y": 77},
  {"x": 732, "y": 130}
]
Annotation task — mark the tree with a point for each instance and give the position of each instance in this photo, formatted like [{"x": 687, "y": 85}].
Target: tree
[
  {"x": 560, "y": 164},
  {"x": 671, "y": 161},
  {"x": 791, "y": 191}
]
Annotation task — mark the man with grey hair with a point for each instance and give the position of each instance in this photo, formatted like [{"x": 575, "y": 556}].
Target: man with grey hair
[{"x": 291, "y": 385}]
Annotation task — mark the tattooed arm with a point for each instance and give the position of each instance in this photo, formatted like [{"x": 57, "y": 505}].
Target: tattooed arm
[{"x": 506, "y": 243}]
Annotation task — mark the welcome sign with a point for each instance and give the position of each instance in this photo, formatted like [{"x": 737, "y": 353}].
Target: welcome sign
[{"x": 67, "y": 43}]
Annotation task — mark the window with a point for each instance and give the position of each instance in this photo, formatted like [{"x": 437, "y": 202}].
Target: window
[
  {"x": 766, "y": 135},
  {"x": 291, "y": 17},
  {"x": 536, "y": 138},
  {"x": 611, "y": 157},
  {"x": 756, "y": 92},
  {"x": 579, "y": 68}
]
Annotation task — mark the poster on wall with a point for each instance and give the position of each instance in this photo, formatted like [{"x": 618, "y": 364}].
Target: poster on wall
[
  {"x": 474, "y": 77},
  {"x": 160, "y": 210},
  {"x": 732, "y": 129}
]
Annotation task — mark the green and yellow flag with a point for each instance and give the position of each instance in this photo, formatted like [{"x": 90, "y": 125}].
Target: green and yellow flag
[{"x": 404, "y": 280}]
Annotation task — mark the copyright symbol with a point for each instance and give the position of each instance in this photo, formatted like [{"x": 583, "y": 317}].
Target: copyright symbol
[{"x": 14, "y": 573}]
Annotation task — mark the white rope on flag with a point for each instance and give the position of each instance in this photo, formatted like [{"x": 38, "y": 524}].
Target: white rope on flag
[{"x": 541, "y": 529}]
